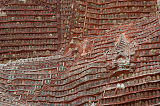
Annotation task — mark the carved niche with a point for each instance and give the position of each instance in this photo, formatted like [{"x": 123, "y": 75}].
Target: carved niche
[{"x": 120, "y": 55}]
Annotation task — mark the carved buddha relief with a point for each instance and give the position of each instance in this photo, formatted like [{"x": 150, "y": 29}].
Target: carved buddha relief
[{"x": 121, "y": 54}]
